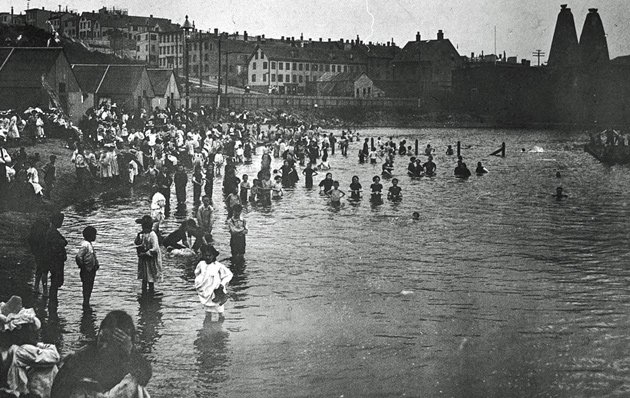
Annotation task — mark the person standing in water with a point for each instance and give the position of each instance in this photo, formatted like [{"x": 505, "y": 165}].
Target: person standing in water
[
  {"x": 149, "y": 255},
  {"x": 309, "y": 173},
  {"x": 336, "y": 194},
  {"x": 377, "y": 189},
  {"x": 211, "y": 280},
  {"x": 394, "y": 194},
  {"x": 238, "y": 231},
  {"x": 56, "y": 256},
  {"x": 355, "y": 188},
  {"x": 88, "y": 264}
]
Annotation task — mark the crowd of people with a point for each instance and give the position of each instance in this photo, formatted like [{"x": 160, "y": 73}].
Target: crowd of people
[{"x": 169, "y": 147}]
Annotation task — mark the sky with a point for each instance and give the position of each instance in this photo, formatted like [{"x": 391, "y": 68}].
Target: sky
[{"x": 522, "y": 26}]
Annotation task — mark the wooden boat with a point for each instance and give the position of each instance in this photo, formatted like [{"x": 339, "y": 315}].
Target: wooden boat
[{"x": 609, "y": 147}]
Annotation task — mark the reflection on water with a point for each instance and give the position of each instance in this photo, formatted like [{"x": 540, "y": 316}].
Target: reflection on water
[{"x": 497, "y": 290}]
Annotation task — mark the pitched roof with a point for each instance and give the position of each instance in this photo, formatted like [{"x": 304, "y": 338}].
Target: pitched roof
[
  {"x": 426, "y": 50},
  {"x": 340, "y": 77},
  {"x": 89, "y": 76},
  {"x": 160, "y": 79},
  {"x": 121, "y": 79},
  {"x": 113, "y": 79},
  {"x": 285, "y": 52},
  {"x": 25, "y": 66}
]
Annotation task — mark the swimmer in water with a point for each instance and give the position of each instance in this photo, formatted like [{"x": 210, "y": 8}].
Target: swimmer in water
[
  {"x": 355, "y": 188},
  {"x": 480, "y": 170},
  {"x": 394, "y": 194},
  {"x": 449, "y": 150},
  {"x": 336, "y": 194},
  {"x": 559, "y": 195},
  {"x": 377, "y": 189},
  {"x": 415, "y": 216}
]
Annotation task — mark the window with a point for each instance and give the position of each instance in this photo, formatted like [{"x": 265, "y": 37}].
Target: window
[
  {"x": 280, "y": 78},
  {"x": 294, "y": 66},
  {"x": 307, "y": 79},
  {"x": 300, "y": 66},
  {"x": 194, "y": 58},
  {"x": 333, "y": 68},
  {"x": 314, "y": 68},
  {"x": 321, "y": 67},
  {"x": 294, "y": 78},
  {"x": 345, "y": 68},
  {"x": 273, "y": 65},
  {"x": 205, "y": 45},
  {"x": 207, "y": 68},
  {"x": 287, "y": 66},
  {"x": 288, "y": 79},
  {"x": 273, "y": 78},
  {"x": 300, "y": 78},
  {"x": 205, "y": 57},
  {"x": 265, "y": 77},
  {"x": 265, "y": 65},
  {"x": 357, "y": 92},
  {"x": 281, "y": 65},
  {"x": 308, "y": 66},
  {"x": 253, "y": 78},
  {"x": 254, "y": 65},
  {"x": 256, "y": 56},
  {"x": 369, "y": 90},
  {"x": 327, "y": 68}
]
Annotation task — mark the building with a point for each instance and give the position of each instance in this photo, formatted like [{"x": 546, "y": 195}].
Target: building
[
  {"x": 345, "y": 84},
  {"x": 6, "y": 18},
  {"x": 427, "y": 65},
  {"x": 564, "y": 46},
  {"x": 165, "y": 88},
  {"x": 38, "y": 17},
  {"x": 40, "y": 77},
  {"x": 128, "y": 86},
  {"x": 288, "y": 69}
]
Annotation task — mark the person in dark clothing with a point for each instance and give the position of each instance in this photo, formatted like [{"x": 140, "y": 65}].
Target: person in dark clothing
[
  {"x": 197, "y": 180},
  {"x": 50, "y": 176},
  {"x": 326, "y": 184},
  {"x": 56, "y": 256},
  {"x": 88, "y": 264},
  {"x": 333, "y": 141},
  {"x": 98, "y": 368},
  {"x": 181, "y": 179},
  {"x": 37, "y": 243},
  {"x": 209, "y": 186},
  {"x": 164, "y": 182},
  {"x": 366, "y": 147},
  {"x": 309, "y": 173},
  {"x": 461, "y": 171}
]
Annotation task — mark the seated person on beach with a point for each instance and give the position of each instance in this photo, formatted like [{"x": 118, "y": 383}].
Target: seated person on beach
[
  {"x": 109, "y": 367},
  {"x": 559, "y": 195}
]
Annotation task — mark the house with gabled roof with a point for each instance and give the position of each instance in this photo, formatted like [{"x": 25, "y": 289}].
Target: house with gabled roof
[
  {"x": 128, "y": 86},
  {"x": 288, "y": 69},
  {"x": 345, "y": 84},
  {"x": 165, "y": 88},
  {"x": 39, "y": 77},
  {"x": 427, "y": 65}
]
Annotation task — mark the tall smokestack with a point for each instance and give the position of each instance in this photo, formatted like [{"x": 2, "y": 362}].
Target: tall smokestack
[
  {"x": 593, "y": 45},
  {"x": 564, "y": 46}
]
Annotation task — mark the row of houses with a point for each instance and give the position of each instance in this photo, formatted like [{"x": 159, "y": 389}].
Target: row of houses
[
  {"x": 43, "y": 77},
  {"x": 287, "y": 65}
]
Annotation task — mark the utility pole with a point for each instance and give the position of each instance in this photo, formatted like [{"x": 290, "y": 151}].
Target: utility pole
[
  {"x": 200, "y": 62},
  {"x": 538, "y": 54}
]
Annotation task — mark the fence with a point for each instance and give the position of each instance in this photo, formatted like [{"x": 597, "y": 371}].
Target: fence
[{"x": 252, "y": 101}]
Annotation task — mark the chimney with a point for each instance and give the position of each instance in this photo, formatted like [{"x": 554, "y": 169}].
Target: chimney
[
  {"x": 151, "y": 16},
  {"x": 11, "y": 13},
  {"x": 216, "y": 31},
  {"x": 440, "y": 35},
  {"x": 263, "y": 37},
  {"x": 301, "y": 36},
  {"x": 320, "y": 39},
  {"x": 388, "y": 44},
  {"x": 472, "y": 55},
  {"x": 593, "y": 45},
  {"x": 245, "y": 36},
  {"x": 329, "y": 40},
  {"x": 258, "y": 38},
  {"x": 352, "y": 42},
  {"x": 358, "y": 40},
  {"x": 281, "y": 38},
  {"x": 418, "y": 36}
]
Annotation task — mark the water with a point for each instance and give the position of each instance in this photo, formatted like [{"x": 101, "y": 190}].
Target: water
[{"x": 498, "y": 290}]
